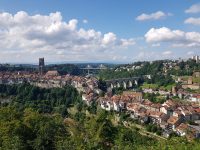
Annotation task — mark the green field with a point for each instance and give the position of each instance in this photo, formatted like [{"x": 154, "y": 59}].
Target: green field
[
  {"x": 156, "y": 86},
  {"x": 150, "y": 86},
  {"x": 196, "y": 80}
]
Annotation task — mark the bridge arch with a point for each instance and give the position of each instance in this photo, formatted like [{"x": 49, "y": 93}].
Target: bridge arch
[{"x": 122, "y": 82}]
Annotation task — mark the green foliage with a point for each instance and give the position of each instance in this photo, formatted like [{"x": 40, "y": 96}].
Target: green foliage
[
  {"x": 131, "y": 139},
  {"x": 147, "y": 68},
  {"x": 93, "y": 108},
  {"x": 64, "y": 69},
  {"x": 42, "y": 100},
  {"x": 111, "y": 74},
  {"x": 186, "y": 68},
  {"x": 36, "y": 120},
  {"x": 80, "y": 116},
  {"x": 154, "y": 128},
  {"x": 124, "y": 116},
  {"x": 118, "y": 91},
  {"x": 102, "y": 85},
  {"x": 156, "y": 98},
  {"x": 150, "y": 86},
  {"x": 155, "y": 69},
  {"x": 29, "y": 130},
  {"x": 161, "y": 80},
  {"x": 8, "y": 67}
]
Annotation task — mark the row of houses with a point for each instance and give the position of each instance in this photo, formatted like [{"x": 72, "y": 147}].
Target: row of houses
[
  {"x": 169, "y": 115},
  {"x": 119, "y": 102},
  {"x": 179, "y": 92},
  {"x": 151, "y": 91},
  {"x": 50, "y": 79}
]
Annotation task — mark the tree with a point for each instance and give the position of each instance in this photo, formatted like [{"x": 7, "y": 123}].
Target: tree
[
  {"x": 106, "y": 134},
  {"x": 102, "y": 85}
]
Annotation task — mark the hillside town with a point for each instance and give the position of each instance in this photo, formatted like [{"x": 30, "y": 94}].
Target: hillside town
[{"x": 179, "y": 113}]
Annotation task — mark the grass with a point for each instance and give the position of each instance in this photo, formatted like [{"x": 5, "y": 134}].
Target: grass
[
  {"x": 155, "y": 86},
  {"x": 168, "y": 87},
  {"x": 150, "y": 86},
  {"x": 196, "y": 80}
]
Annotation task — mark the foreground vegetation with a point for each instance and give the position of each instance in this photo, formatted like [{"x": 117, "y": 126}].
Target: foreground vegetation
[{"x": 42, "y": 119}]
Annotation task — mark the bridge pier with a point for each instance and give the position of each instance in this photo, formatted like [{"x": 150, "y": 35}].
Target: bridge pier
[
  {"x": 118, "y": 85},
  {"x": 112, "y": 86},
  {"x": 124, "y": 85},
  {"x": 122, "y": 82},
  {"x": 130, "y": 84},
  {"x": 136, "y": 82}
]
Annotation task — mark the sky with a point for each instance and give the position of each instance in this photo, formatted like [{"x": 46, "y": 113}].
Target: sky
[{"x": 104, "y": 31}]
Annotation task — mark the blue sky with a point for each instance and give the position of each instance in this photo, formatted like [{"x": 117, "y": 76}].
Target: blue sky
[{"x": 100, "y": 30}]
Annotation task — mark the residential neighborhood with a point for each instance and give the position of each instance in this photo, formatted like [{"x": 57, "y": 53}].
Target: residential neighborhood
[{"x": 179, "y": 111}]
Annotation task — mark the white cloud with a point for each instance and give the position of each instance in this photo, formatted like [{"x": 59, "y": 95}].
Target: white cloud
[
  {"x": 85, "y": 21},
  {"x": 190, "y": 53},
  {"x": 149, "y": 55},
  {"x": 193, "y": 9},
  {"x": 60, "y": 52},
  {"x": 51, "y": 36},
  {"x": 193, "y": 21},
  {"x": 156, "y": 45},
  {"x": 163, "y": 34},
  {"x": 146, "y": 55},
  {"x": 109, "y": 38},
  {"x": 178, "y": 38},
  {"x": 126, "y": 43},
  {"x": 167, "y": 53},
  {"x": 153, "y": 16},
  {"x": 119, "y": 58}
]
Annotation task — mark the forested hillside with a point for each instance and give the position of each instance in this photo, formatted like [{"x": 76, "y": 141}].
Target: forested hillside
[{"x": 48, "y": 119}]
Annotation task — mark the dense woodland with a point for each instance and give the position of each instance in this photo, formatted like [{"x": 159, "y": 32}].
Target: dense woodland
[
  {"x": 41, "y": 100},
  {"x": 42, "y": 119},
  {"x": 159, "y": 78},
  {"x": 8, "y": 67},
  {"x": 64, "y": 69},
  {"x": 155, "y": 69}
]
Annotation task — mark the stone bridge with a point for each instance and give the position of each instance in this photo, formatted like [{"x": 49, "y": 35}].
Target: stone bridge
[{"x": 122, "y": 82}]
